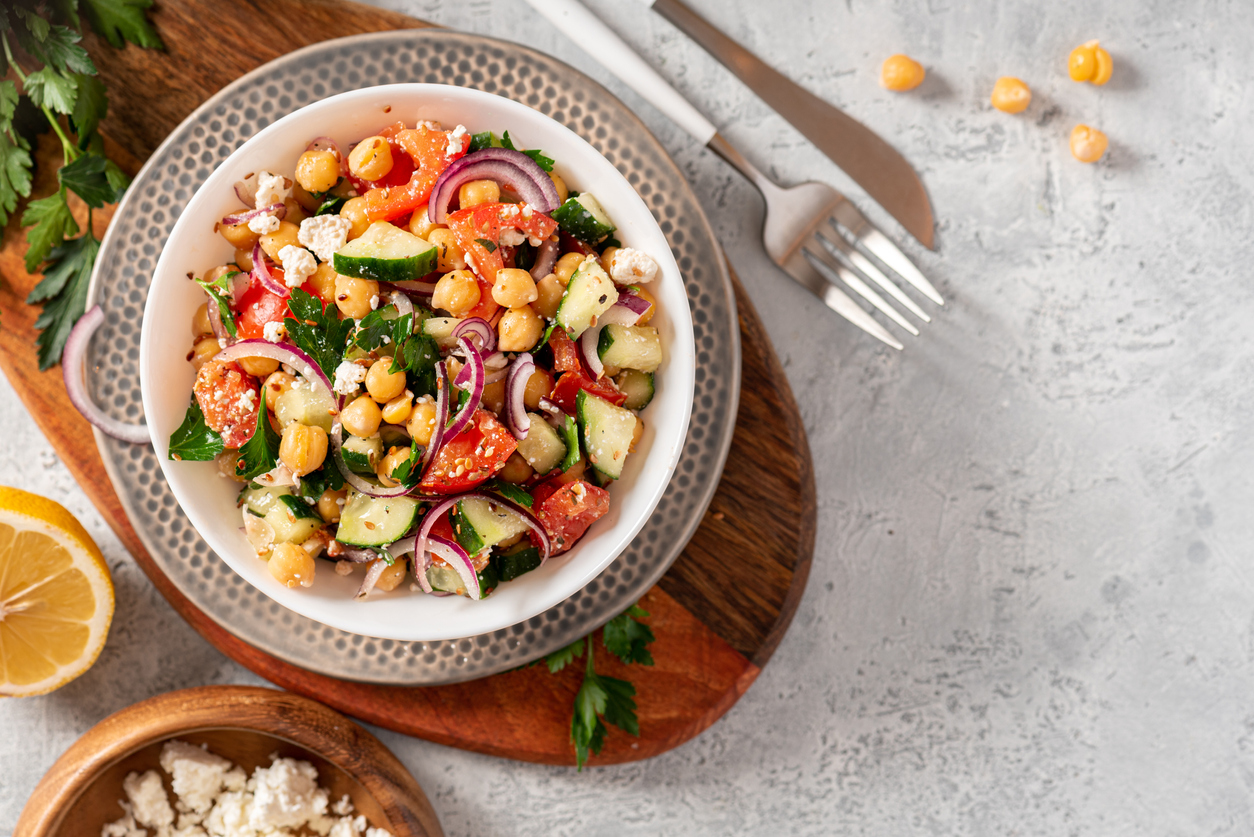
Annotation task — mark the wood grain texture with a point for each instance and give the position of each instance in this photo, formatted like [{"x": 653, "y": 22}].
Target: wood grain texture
[
  {"x": 244, "y": 724},
  {"x": 718, "y": 613}
]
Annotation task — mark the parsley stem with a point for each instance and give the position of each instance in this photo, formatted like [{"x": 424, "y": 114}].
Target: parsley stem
[{"x": 68, "y": 151}]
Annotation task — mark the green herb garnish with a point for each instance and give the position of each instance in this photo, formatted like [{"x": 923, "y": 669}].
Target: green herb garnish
[
  {"x": 382, "y": 327},
  {"x": 543, "y": 162},
  {"x": 319, "y": 333},
  {"x": 260, "y": 453},
  {"x": 490, "y": 246},
  {"x": 219, "y": 291},
  {"x": 193, "y": 441}
]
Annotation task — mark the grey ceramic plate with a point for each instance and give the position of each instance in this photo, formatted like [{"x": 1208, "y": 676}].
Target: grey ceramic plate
[{"x": 161, "y": 190}]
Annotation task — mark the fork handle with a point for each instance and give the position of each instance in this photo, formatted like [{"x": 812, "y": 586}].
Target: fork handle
[{"x": 601, "y": 42}]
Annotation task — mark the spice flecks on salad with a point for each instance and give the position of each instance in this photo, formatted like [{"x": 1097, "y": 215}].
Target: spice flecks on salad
[{"x": 426, "y": 362}]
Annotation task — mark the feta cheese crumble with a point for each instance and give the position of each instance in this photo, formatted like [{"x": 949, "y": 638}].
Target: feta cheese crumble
[
  {"x": 271, "y": 189},
  {"x": 324, "y": 234},
  {"x": 455, "y": 143},
  {"x": 215, "y": 798},
  {"x": 274, "y": 332},
  {"x": 347, "y": 377},
  {"x": 298, "y": 265},
  {"x": 263, "y": 224},
  {"x": 511, "y": 237},
  {"x": 630, "y": 267}
]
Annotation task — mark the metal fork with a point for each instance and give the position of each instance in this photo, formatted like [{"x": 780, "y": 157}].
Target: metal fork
[{"x": 811, "y": 230}]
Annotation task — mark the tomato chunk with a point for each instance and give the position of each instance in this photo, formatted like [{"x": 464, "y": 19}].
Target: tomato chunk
[
  {"x": 258, "y": 306},
  {"x": 565, "y": 353},
  {"x": 471, "y": 458},
  {"x": 486, "y": 222},
  {"x": 230, "y": 399},
  {"x": 568, "y": 512},
  {"x": 568, "y": 386},
  {"x": 428, "y": 149}
]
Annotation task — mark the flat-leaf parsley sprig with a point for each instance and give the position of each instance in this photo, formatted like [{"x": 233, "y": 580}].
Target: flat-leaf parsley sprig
[
  {"x": 63, "y": 84},
  {"x": 603, "y": 698}
]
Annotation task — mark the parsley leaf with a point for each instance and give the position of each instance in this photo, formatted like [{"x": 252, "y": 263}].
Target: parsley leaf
[
  {"x": 490, "y": 246},
  {"x": 63, "y": 291},
  {"x": 626, "y": 638},
  {"x": 120, "y": 21},
  {"x": 482, "y": 140},
  {"x": 408, "y": 472},
  {"x": 321, "y": 335},
  {"x": 117, "y": 178},
  {"x": 89, "y": 108},
  {"x": 600, "y": 696},
  {"x": 299, "y": 508},
  {"x": 382, "y": 327},
  {"x": 15, "y": 159},
  {"x": 48, "y": 88},
  {"x": 86, "y": 178},
  {"x": 511, "y": 492},
  {"x": 331, "y": 205},
  {"x": 52, "y": 224},
  {"x": 620, "y": 706},
  {"x": 418, "y": 356},
  {"x": 194, "y": 441},
  {"x": 542, "y": 161},
  {"x": 219, "y": 292},
  {"x": 563, "y": 657},
  {"x": 259, "y": 453},
  {"x": 313, "y": 484},
  {"x": 56, "y": 46}
]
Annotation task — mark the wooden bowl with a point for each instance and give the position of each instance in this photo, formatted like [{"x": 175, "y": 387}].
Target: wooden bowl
[{"x": 245, "y": 724}]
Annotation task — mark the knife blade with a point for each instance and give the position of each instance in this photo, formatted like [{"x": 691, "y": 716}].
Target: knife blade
[{"x": 861, "y": 153}]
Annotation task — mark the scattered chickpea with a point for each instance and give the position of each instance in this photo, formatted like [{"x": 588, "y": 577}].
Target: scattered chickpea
[
  {"x": 562, "y": 191},
  {"x": 450, "y": 255},
  {"x": 391, "y": 577},
  {"x": 539, "y": 385},
  {"x": 371, "y": 158},
  {"x": 519, "y": 329},
  {"x": 277, "y": 384},
  {"x": 390, "y": 463},
  {"x": 397, "y": 410},
  {"x": 1089, "y": 62},
  {"x": 636, "y": 433},
  {"x": 382, "y": 384},
  {"x": 200, "y": 321},
  {"x": 1088, "y": 144},
  {"x": 494, "y": 396},
  {"x": 317, "y": 171},
  {"x": 607, "y": 257},
  {"x": 354, "y": 209},
  {"x": 244, "y": 259},
  {"x": 307, "y": 201},
  {"x": 574, "y": 472},
  {"x": 420, "y": 223},
  {"x": 272, "y": 243},
  {"x": 331, "y": 503},
  {"x": 353, "y": 295},
  {"x": 238, "y": 235},
  {"x": 362, "y": 417},
  {"x": 421, "y": 422},
  {"x": 303, "y": 449},
  {"x": 901, "y": 73},
  {"x": 259, "y": 367},
  {"x": 514, "y": 288},
  {"x": 516, "y": 469},
  {"x": 205, "y": 348},
  {"x": 457, "y": 292},
  {"x": 323, "y": 281},
  {"x": 225, "y": 463},
  {"x": 478, "y": 192},
  {"x": 549, "y": 292},
  {"x": 295, "y": 212},
  {"x": 291, "y": 565},
  {"x": 648, "y": 315},
  {"x": 566, "y": 267},
  {"x": 1011, "y": 95}
]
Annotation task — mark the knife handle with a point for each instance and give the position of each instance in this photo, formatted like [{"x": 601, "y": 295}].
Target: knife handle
[{"x": 599, "y": 41}]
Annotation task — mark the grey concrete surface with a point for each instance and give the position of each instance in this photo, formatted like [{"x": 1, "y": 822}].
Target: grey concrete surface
[{"x": 1032, "y": 607}]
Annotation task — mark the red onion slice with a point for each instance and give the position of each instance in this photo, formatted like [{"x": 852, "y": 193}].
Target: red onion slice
[
  {"x": 627, "y": 311},
  {"x": 546, "y": 258},
  {"x": 636, "y": 304},
  {"x": 456, "y": 557},
  {"x": 278, "y": 210},
  {"x": 373, "y": 573},
  {"x": 357, "y": 555},
  {"x": 512, "y": 169},
  {"x": 354, "y": 479},
  {"x": 588, "y": 349},
  {"x": 261, "y": 272},
  {"x": 475, "y": 387},
  {"x": 424, "y": 532},
  {"x": 239, "y": 286},
  {"x": 282, "y": 352},
  {"x": 72, "y": 370},
  {"x": 215, "y": 323},
  {"x": 442, "y": 394},
  {"x": 478, "y": 327},
  {"x": 515, "y": 389},
  {"x": 246, "y": 189},
  {"x": 325, "y": 144}
]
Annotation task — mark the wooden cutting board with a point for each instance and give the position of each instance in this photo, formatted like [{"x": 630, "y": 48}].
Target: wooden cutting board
[{"x": 718, "y": 614}]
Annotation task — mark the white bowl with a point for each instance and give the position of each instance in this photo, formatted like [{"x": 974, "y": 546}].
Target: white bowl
[{"x": 208, "y": 500}]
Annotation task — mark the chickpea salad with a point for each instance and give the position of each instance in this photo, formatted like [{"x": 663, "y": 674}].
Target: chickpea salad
[{"x": 427, "y": 361}]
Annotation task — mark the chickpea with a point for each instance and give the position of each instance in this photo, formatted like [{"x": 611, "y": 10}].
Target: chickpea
[
  {"x": 323, "y": 281},
  {"x": 901, "y": 73},
  {"x": 574, "y": 472},
  {"x": 1089, "y": 62},
  {"x": 216, "y": 273},
  {"x": 303, "y": 449},
  {"x": 421, "y": 424},
  {"x": 238, "y": 235},
  {"x": 1011, "y": 95},
  {"x": 318, "y": 171},
  {"x": 383, "y": 384},
  {"x": 354, "y": 209},
  {"x": 494, "y": 396},
  {"x": 607, "y": 257},
  {"x": 272, "y": 243},
  {"x": 331, "y": 503},
  {"x": 566, "y": 267},
  {"x": 226, "y": 465},
  {"x": 370, "y": 159},
  {"x": 549, "y": 293},
  {"x": 539, "y": 385},
  {"x": 244, "y": 260},
  {"x": 390, "y": 463},
  {"x": 200, "y": 321},
  {"x": 277, "y": 384},
  {"x": 478, "y": 192},
  {"x": 362, "y": 417},
  {"x": 397, "y": 410},
  {"x": 291, "y": 564},
  {"x": 519, "y": 329},
  {"x": 295, "y": 212},
  {"x": 258, "y": 366},
  {"x": 562, "y": 192},
  {"x": 391, "y": 577},
  {"x": 457, "y": 292},
  {"x": 648, "y": 315},
  {"x": 1088, "y": 144},
  {"x": 420, "y": 223},
  {"x": 308, "y": 202},
  {"x": 636, "y": 433},
  {"x": 353, "y": 295},
  {"x": 513, "y": 288},
  {"x": 451, "y": 256},
  {"x": 516, "y": 469},
  {"x": 205, "y": 348}
]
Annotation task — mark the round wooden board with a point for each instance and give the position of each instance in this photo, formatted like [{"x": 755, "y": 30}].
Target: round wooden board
[{"x": 718, "y": 613}]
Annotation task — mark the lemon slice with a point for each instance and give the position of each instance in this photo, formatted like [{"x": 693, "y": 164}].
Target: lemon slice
[{"x": 56, "y": 596}]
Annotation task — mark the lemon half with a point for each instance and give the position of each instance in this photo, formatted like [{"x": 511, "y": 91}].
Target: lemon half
[{"x": 56, "y": 596}]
